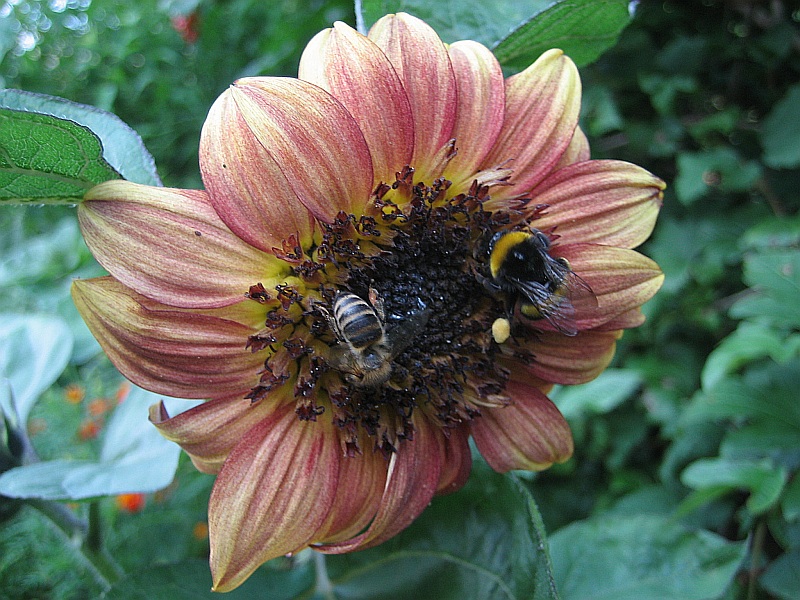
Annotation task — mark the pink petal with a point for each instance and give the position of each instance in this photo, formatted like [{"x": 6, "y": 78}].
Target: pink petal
[
  {"x": 356, "y": 502},
  {"x": 176, "y": 352},
  {"x": 422, "y": 62},
  {"x": 353, "y": 69},
  {"x": 530, "y": 433},
  {"x": 208, "y": 432},
  {"x": 577, "y": 151},
  {"x": 542, "y": 108},
  {"x": 414, "y": 473},
  {"x": 571, "y": 360},
  {"x": 627, "y": 320},
  {"x": 273, "y": 493},
  {"x": 480, "y": 109},
  {"x": 457, "y": 462},
  {"x": 293, "y": 142},
  {"x": 246, "y": 185},
  {"x": 170, "y": 245},
  {"x": 600, "y": 201},
  {"x": 620, "y": 278}
]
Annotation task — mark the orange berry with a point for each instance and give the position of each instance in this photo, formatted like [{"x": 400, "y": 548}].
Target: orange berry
[
  {"x": 122, "y": 391},
  {"x": 74, "y": 393},
  {"x": 88, "y": 430},
  {"x": 131, "y": 503},
  {"x": 99, "y": 406},
  {"x": 200, "y": 530}
]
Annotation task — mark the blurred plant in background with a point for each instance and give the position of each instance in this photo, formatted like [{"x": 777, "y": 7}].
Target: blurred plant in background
[
  {"x": 687, "y": 453},
  {"x": 157, "y": 64}
]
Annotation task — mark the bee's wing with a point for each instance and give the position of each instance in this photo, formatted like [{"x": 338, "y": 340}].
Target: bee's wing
[
  {"x": 536, "y": 293},
  {"x": 559, "y": 307},
  {"x": 553, "y": 307},
  {"x": 401, "y": 335},
  {"x": 341, "y": 358},
  {"x": 580, "y": 294}
]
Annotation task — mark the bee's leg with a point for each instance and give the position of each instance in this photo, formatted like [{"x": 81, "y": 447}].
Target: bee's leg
[
  {"x": 334, "y": 326},
  {"x": 377, "y": 303},
  {"x": 486, "y": 282}
]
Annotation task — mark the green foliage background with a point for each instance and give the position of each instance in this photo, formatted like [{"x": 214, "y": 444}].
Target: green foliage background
[{"x": 687, "y": 451}]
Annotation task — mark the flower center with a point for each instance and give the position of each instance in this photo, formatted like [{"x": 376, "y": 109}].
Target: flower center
[{"x": 390, "y": 314}]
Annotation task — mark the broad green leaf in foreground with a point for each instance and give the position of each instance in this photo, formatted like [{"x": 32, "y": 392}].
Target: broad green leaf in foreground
[
  {"x": 518, "y": 31},
  {"x": 134, "y": 458},
  {"x": 191, "y": 580},
  {"x": 583, "y": 29},
  {"x": 123, "y": 149},
  {"x": 34, "y": 350},
  {"x": 48, "y": 160},
  {"x": 641, "y": 558},
  {"x": 782, "y": 578}
]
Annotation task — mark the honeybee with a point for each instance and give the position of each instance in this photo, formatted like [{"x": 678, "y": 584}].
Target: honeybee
[
  {"x": 544, "y": 287},
  {"x": 366, "y": 345}
]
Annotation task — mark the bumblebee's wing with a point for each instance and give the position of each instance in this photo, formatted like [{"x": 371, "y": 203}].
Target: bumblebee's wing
[
  {"x": 580, "y": 294},
  {"x": 560, "y": 306},
  {"x": 553, "y": 307}
]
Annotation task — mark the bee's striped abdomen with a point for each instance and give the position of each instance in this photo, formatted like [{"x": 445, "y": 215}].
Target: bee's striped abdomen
[{"x": 357, "y": 321}]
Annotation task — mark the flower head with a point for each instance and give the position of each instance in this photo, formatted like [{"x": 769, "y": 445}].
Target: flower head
[{"x": 394, "y": 252}]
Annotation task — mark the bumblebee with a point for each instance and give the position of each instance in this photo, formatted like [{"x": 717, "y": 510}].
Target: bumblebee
[
  {"x": 366, "y": 346},
  {"x": 543, "y": 287}
]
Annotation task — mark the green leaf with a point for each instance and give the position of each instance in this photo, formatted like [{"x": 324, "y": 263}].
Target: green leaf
[
  {"x": 665, "y": 89},
  {"x": 10, "y": 447},
  {"x": 583, "y": 29},
  {"x": 773, "y": 232},
  {"x": 485, "y": 541},
  {"x": 600, "y": 396},
  {"x": 782, "y": 577},
  {"x": 767, "y": 413},
  {"x": 122, "y": 148},
  {"x": 45, "y": 160},
  {"x": 134, "y": 458},
  {"x": 483, "y": 22},
  {"x": 519, "y": 31},
  {"x": 782, "y": 130},
  {"x": 699, "y": 172},
  {"x": 637, "y": 558},
  {"x": 34, "y": 350},
  {"x": 775, "y": 277},
  {"x": 763, "y": 479},
  {"x": 749, "y": 342},
  {"x": 191, "y": 580},
  {"x": 790, "y": 503}
]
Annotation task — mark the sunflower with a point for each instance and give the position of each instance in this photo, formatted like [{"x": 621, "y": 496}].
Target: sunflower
[{"x": 393, "y": 252}]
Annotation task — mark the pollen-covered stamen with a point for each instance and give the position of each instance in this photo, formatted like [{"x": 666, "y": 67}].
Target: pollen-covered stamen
[
  {"x": 424, "y": 264},
  {"x": 280, "y": 337}
]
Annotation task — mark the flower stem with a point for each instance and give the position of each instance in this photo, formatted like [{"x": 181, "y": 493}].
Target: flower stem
[
  {"x": 755, "y": 558},
  {"x": 324, "y": 585},
  {"x": 85, "y": 537}
]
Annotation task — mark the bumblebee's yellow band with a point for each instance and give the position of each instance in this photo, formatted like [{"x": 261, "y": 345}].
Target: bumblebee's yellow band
[{"x": 503, "y": 246}]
